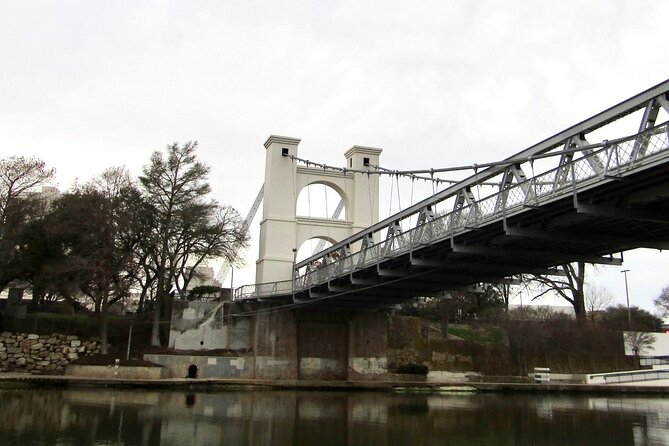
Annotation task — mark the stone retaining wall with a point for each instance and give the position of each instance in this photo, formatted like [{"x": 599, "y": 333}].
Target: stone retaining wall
[{"x": 42, "y": 353}]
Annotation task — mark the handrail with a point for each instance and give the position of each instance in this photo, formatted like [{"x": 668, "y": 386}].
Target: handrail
[{"x": 617, "y": 157}]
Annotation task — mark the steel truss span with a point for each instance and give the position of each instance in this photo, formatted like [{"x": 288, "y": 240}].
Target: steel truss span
[{"x": 589, "y": 202}]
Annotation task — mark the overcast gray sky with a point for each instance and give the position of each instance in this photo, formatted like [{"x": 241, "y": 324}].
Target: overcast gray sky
[{"x": 86, "y": 85}]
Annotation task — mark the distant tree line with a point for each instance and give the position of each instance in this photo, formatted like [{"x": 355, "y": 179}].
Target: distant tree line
[
  {"x": 115, "y": 235},
  {"x": 491, "y": 303}
]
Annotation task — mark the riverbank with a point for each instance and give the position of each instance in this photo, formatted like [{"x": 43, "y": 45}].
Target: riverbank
[{"x": 24, "y": 379}]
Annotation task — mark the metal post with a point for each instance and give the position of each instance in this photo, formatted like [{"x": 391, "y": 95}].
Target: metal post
[
  {"x": 293, "y": 274},
  {"x": 127, "y": 353},
  {"x": 627, "y": 295},
  {"x": 232, "y": 283}
]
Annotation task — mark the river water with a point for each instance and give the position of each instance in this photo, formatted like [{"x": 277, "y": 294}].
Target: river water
[{"x": 58, "y": 416}]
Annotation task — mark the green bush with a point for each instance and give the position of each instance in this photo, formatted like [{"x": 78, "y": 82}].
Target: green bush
[{"x": 413, "y": 369}]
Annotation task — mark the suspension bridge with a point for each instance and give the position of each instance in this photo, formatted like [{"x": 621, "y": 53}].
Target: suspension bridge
[
  {"x": 588, "y": 193},
  {"x": 590, "y": 202}
]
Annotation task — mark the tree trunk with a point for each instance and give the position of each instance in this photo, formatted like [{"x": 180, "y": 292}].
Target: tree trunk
[
  {"x": 155, "y": 328},
  {"x": 140, "y": 303},
  {"x": 579, "y": 293},
  {"x": 160, "y": 299},
  {"x": 166, "y": 316},
  {"x": 102, "y": 318},
  {"x": 442, "y": 307},
  {"x": 36, "y": 299}
]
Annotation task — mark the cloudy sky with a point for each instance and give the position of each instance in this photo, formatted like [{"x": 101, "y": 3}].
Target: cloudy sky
[{"x": 86, "y": 85}]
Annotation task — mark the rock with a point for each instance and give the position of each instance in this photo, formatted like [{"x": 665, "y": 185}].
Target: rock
[{"x": 37, "y": 353}]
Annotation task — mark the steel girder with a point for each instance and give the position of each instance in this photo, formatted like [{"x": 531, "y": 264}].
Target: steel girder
[{"x": 581, "y": 168}]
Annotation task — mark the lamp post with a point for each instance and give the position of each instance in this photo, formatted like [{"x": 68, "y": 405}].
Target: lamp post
[{"x": 627, "y": 295}]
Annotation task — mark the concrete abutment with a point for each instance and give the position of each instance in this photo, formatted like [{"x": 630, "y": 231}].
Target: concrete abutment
[
  {"x": 275, "y": 344},
  {"x": 321, "y": 344}
]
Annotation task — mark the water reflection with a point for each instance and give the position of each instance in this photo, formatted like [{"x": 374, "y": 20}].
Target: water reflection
[{"x": 133, "y": 417}]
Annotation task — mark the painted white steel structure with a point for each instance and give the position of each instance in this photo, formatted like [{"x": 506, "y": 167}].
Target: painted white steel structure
[{"x": 525, "y": 223}]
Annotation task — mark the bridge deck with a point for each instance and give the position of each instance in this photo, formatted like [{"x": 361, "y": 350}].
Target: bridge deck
[{"x": 599, "y": 200}]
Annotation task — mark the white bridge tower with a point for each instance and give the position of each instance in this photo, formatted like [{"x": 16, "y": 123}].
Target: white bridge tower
[{"x": 282, "y": 231}]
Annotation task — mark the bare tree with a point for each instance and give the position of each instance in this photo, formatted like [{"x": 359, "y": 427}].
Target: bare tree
[
  {"x": 222, "y": 237},
  {"x": 597, "y": 298},
  {"x": 19, "y": 178},
  {"x": 662, "y": 302},
  {"x": 570, "y": 286},
  {"x": 639, "y": 343},
  {"x": 189, "y": 226},
  {"x": 19, "y": 175},
  {"x": 111, "y": 182},
  {"x": 504, "y": 291}
]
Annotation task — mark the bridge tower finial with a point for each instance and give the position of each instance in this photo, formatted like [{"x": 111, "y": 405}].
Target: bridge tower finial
[{"x": 364, "y": 205}]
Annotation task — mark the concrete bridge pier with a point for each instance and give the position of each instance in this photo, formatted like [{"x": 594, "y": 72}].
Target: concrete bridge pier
[{"x": 321, "y": 344}]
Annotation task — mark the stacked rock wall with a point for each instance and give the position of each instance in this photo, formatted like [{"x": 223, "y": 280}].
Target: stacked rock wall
[{"x": 42, "y": 353}]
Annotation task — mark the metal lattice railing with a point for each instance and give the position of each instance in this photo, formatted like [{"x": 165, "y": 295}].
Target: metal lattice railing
[
  {"x": 264, "y": 289},
  {"x": 611, "y": 160}
]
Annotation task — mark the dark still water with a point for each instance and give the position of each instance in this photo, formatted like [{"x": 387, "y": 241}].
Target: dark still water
[{"x": 138, "y": 417}]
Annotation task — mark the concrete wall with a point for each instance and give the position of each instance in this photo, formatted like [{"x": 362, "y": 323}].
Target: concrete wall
[
  {"x": 321, "y": 344},
  {"x": 275, "y": 345},
  {"x": 200, "y": 325},
  {"x": 648, "y": 344},
  {"x": 207, "y": 366},
  {"x": 306, "y": 343},
  {"x": 368, "y": 345},
  {"x": 113, "y": 372},
  {"x": 322, "y": 349}
]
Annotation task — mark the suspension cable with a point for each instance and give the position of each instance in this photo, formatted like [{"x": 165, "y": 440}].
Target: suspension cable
[
  {"x": 399, "y": 198},
  {"x": 390, "y": 202},
  {"x": 413, "y": 173}
]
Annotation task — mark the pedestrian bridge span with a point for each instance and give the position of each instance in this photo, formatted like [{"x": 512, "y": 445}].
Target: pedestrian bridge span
[{"x": 589, "y": 202}]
